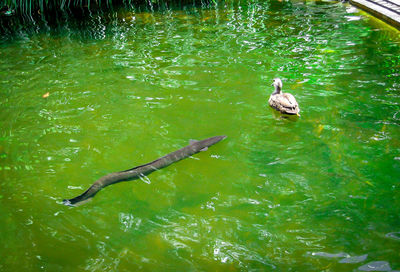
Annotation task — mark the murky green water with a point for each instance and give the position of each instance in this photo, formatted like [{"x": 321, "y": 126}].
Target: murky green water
[{"x": 275, "y": 195}]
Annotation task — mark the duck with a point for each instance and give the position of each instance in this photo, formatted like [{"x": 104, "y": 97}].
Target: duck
[{"x": 283, "y": 102}]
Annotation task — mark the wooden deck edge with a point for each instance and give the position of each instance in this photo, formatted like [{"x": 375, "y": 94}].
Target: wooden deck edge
[{"x": 380, "y": 12}]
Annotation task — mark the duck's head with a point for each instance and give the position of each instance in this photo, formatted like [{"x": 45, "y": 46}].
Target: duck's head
[{"x": 277, "y": 83}]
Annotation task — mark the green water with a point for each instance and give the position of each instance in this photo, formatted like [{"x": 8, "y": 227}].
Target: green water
[{"x": 277, "y": 194}]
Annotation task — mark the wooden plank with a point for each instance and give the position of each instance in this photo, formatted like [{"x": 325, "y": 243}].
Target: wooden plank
[{"x": 386, "y": 10}]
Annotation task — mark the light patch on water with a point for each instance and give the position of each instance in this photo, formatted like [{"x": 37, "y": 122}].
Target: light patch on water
[
  {"x": 330, "y": 255},
  {"x": 353, "y": 18},
  {"x": 129, "y": 221},
  {"x": 75, "y": 187},
  {"x": 380, "y": 136},
  {"x": 354, "y": 259},
  {"x": 376, "y": 266},
  {"x": 209, "y": 205},
  {"x": 29, "y": 222},
  {"x": 393, "y": 235},
  {"x": 57, "y": 213},
  {"x": 145, "y": 179}
]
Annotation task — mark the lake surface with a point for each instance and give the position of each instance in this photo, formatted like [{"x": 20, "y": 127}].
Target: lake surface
[{"x": 320, "y": 193}]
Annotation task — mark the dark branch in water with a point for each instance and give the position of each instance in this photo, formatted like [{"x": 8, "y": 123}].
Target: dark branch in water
[{"x": 142, "y": 170}]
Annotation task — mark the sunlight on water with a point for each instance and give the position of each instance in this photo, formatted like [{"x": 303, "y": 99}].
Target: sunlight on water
[{"x": 317, "y": 194}]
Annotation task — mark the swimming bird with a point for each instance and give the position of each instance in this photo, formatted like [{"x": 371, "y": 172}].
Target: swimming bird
[
  {"x": 143, "y": 170},
  {"x": 283, "y": 102}
]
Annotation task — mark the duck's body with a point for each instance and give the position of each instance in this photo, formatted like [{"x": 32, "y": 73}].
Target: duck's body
[{"x": 283, "y": 102}]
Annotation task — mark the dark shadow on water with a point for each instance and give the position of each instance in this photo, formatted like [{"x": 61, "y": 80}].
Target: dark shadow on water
[
  {"x": 79, "y": 16},
  {"x": 280, "y": 116}
]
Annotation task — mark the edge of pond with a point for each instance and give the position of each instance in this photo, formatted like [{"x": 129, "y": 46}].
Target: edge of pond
[{"x": 386, "y": 10}]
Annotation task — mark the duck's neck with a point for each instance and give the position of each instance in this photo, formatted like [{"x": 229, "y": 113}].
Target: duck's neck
[{"x": 277, "y": 90}]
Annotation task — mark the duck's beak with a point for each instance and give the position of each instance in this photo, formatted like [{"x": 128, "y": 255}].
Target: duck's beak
[{"x": 298, "y": 114}]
